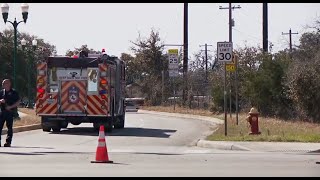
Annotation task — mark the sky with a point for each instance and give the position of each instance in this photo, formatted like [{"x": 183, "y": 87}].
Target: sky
[{"x": 114, "y": 26}]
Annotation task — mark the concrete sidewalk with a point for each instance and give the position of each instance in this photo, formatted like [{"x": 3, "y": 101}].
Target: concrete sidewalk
[{"x": 261, "y": 146}]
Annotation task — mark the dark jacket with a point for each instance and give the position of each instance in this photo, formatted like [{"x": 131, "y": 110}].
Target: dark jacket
[{"x": 11, "y": 97}]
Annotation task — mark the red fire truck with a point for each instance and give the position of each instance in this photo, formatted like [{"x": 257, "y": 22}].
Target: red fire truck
[{"x": 81, "y": 89}]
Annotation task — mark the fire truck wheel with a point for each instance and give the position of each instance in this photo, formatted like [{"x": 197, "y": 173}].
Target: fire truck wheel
[
  {"x": 76, "y": 123},
  {"x": 64, "y": 124},
  {"x": 108, "y": 126},
  {"x": 46, "y": 129},
  {"x": 56, "y": 129},
  {"x": 45, "y": 126},
  {"x": 120, "y": 122},
  {"x": 96, "y": 126}
]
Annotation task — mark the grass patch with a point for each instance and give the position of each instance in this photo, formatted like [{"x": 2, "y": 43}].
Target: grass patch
[
  {"x": 272, "y": 129},
  {"x": 32, "y": 118}
]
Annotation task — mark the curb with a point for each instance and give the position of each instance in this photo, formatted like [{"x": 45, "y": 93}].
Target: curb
[
  {"x": 221, "y": 145},
  {"x": 315, "y": 151},
  {"x": 23, "y": 128}
]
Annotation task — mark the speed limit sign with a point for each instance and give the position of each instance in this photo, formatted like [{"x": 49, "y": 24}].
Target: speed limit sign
[
  {"x": 230, "y": 67},
  {"x": 224, "y": 51}
]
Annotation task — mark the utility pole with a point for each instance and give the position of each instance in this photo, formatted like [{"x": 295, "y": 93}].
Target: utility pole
[
  {"x": 265, "y": 27},
  {"x": 231, "y": 23},
  {"x": 162, "y": 87},
  {"x": 206, "y": 80},
  {"x": 206, "y": 58},
  {"x": 185, "y": 54},
  {"x": 290, "y": 38}
]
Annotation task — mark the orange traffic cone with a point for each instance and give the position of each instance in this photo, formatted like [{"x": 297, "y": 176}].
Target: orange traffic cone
[{"x": 102, "y": 151}]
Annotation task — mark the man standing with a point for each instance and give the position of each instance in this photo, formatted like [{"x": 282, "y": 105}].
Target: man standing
[{"x": 9, "y": 101}]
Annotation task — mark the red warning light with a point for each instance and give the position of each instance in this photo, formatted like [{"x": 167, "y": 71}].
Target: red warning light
[
  {"x": 40, "y": 90},
  {"x": 103, "y": 96},
  {"x": 103, "y": 50}
]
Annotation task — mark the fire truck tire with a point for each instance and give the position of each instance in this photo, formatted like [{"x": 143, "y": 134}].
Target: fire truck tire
[
  {"x": 109, "y": 126},
  {"x": 75, "y": 123},
  {"x": 64, "y": 124},
  {"x": 96, "y": 126},
  {"x": 56, "y": 129},
  {"x": 46, "y": 129},
  {"x": 120, "y": 122}
]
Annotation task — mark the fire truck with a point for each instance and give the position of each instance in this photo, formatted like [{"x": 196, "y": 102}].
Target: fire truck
[{"x": 81, "y": 89}]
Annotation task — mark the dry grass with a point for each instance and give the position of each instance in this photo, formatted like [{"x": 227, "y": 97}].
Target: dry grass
[
  {"x": 272, "y": 129},
  {"x": 32, "y": 118}
]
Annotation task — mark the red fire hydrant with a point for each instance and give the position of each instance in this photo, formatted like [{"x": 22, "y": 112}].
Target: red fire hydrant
[{"x": 253, "y": 120}]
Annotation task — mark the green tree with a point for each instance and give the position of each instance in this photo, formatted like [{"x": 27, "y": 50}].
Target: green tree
[
  {"x": 303, "y": 76},
  {"x": 23, "y": 56},
  {"x": 84, "y": 47},
  {"x": 150, "y": 61}
]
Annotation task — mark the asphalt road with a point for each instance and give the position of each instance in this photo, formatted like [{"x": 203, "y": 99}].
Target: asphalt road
[{"x": 150, "y": 145}]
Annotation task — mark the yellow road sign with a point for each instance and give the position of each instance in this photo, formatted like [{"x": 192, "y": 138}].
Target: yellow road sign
[
  {"x": 230, "y": 67},
  {"x": 173, "y": 51}
]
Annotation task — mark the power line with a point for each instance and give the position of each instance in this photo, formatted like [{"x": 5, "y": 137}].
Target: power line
[
  {"x": 250, "y": 36},
  {"x": 253, "y": 17},
  {"x": 258, "y": 23}
]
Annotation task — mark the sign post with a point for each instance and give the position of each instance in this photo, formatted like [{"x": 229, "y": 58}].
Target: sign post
[
  {"x": 231, "y": 67},
  {"x": 224, "y": 54},
  {"x": 173, "y": 70}
]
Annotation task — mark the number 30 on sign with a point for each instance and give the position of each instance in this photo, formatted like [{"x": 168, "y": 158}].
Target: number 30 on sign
[{"x": 224, "y": 51}]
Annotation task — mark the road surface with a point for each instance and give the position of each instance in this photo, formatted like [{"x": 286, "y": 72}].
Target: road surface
[{"x": 150, "y": 145}]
